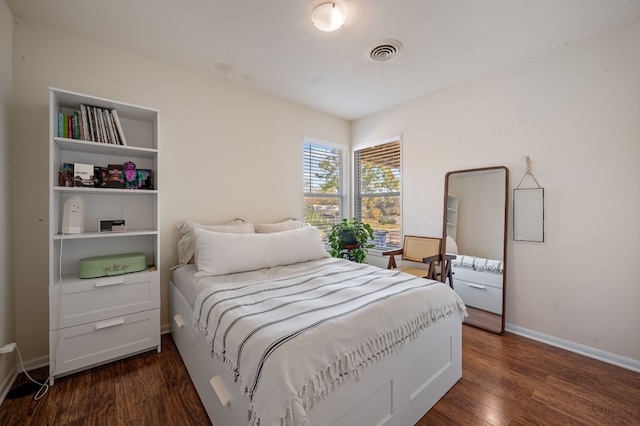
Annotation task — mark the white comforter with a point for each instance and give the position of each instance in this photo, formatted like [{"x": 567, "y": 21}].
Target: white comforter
[{"x": 290, "y": 340}]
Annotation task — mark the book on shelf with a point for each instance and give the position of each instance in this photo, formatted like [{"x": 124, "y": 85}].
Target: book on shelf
[
  {"x": 91, "y": 120},
  {"x": 84, "y": 118},
  {"x": 100, "y": 176},
  {"x": 83, "y": 174},
  {"x": 64, "y": 125},
  {"x": 69, "y": 125},
  {"x": 100, "y": 124},
  {"x": 98, "y": 128},
  {"x": 65, "y": 176},
  {"x": 61, "y": 124},
  {"x": 75, "y": 119},
  {"x": 105, "y": 126},
  {"x": 116, "y": 120},
  {"x": 109, "y": 126},
  {"x": 114, "y": 129},
  {"x": 115, "y": 176},
  {"x": 91, "y": 123}
]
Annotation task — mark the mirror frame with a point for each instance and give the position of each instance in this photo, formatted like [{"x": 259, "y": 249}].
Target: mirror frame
[
  {"x": 505, "y": 239},
  {"x": 528, "y": 214}
]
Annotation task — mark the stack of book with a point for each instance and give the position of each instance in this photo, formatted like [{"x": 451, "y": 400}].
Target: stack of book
[{"x": 92, "y": 124}]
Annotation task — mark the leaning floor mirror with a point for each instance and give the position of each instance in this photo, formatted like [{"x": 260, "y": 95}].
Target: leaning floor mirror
[{"x": 475, "y": 231}]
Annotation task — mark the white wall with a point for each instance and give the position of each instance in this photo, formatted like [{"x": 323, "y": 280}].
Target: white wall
[
  {"x": 576, "y": 112},
  {"x": 225, "y": 151},
  {"x": 7, "y": 335}
]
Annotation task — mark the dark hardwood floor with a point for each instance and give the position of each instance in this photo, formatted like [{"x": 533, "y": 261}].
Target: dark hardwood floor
[
  {"x": 506, "y": 380},
  {"x": 147, "y": 389},
  {"x": 511, "y": 380}
]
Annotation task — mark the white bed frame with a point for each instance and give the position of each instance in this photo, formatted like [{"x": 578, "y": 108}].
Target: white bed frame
[{"x": 398, "y": 390}]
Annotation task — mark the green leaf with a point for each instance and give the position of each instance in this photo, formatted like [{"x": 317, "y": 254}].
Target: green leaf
[{"x": 341, "y": 235}]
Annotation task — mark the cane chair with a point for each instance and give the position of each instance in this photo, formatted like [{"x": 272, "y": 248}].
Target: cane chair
[{"x": 425, "y": 250}]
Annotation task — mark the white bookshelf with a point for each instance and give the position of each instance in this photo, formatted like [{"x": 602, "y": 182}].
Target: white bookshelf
[
  {"x": 93, "y": 321},
  {"x": 453, "y": 203}
]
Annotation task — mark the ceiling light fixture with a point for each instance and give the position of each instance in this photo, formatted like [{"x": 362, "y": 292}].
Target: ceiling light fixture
[{"x": 328, "y": 17}]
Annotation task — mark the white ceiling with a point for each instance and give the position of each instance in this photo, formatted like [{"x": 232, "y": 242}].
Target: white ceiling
[{"x": 271, "y": 45}]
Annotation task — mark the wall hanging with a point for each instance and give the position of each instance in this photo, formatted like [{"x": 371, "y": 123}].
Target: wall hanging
[{"x": 528, "y": 210}]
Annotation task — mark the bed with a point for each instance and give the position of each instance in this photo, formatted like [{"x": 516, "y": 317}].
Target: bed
[{"x": 273, "y": 331}]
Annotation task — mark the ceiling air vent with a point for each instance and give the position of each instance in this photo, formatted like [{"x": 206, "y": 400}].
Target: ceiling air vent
[{"x": 384, "y": 50}]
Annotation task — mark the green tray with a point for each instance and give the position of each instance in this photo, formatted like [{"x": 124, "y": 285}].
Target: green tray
[{"x": 115, "y": 264}]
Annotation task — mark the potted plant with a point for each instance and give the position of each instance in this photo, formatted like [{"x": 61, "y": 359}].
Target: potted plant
[{"x": 349, "y": 239}]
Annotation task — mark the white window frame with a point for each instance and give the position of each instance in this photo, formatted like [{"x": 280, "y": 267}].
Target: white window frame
[
  {"x": 343, "y": 194},
  {"x": 354, "y": 187}
]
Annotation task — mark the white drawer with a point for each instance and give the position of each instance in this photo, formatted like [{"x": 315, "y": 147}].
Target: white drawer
[
  {"x": 480, "y": 277},
  {"x": 94, "y": 299},
  {"x": 90, "y": 344},
  {"x": 479, "y": 295}
]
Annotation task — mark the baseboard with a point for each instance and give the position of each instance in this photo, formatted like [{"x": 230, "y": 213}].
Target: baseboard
[
  {"x": 6, "y": 384},
  {"x": 608, "y": 357},
  {"x": 32, "y": 364},
  {"x": 43, "y": 361}
]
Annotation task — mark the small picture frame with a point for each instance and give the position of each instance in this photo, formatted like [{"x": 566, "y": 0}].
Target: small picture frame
[{"x": 145, "y": 179}]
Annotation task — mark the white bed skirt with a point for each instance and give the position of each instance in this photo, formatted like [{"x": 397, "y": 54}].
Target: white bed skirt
[{"x": 398, "y": 390}]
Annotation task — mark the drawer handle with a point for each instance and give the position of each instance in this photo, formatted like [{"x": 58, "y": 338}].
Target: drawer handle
[
  {"x": 220, "y": 390},
  {"x": 481, "y": 287},
  {"x": 179, "y": 321},
  {"x": 105, "y": 283},
  {"x": 110, "y": 323}
]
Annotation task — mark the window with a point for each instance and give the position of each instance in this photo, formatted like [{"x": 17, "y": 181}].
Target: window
[
  {"x": 324, "y": 177},
  {"x": 377, "y": 182}
]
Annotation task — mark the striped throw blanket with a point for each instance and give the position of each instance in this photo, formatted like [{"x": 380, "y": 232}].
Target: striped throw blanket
[{"x": 291, "y": 340}]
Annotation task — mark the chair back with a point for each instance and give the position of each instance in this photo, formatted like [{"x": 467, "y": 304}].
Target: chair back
[{"x": 417, "y": 248}]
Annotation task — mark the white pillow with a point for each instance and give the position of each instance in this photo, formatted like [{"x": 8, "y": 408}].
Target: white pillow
[
  {"x": 222, "y": 253},
  {"x": 285, "y": 225},
  {"x": 187, "y": 242}
]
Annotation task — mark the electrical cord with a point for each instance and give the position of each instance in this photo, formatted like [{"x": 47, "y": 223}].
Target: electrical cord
[
  {"x": 44, "y": 387},
  {"x": 54, "y": 350}
]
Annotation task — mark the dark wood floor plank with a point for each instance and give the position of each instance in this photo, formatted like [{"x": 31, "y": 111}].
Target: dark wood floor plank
[
  {"x": 589, "y": 402},
  {"x": 507, "y": 380},
  {"x": 517, "y": 381}
]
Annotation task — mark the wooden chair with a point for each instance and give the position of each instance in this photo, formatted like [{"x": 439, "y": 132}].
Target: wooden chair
[
  {"x": 417, "y": 249},
  {"x": 447, "y": 272}
]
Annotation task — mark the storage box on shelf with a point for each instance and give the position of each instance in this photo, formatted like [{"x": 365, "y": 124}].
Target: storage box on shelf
[{"x": 93, "y": 321}]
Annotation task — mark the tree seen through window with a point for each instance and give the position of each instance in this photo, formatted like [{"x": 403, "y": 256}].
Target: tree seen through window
[{"x": 323, "y": 185}]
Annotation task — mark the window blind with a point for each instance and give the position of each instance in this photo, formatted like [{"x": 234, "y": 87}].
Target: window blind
[
  {"x": 324, "y": 184},
  {"x": 378, "y": 182}
]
